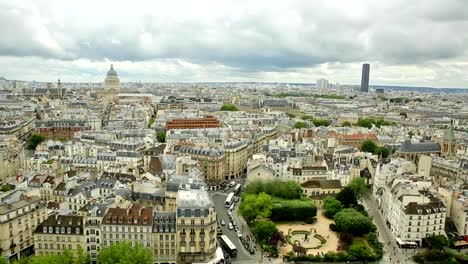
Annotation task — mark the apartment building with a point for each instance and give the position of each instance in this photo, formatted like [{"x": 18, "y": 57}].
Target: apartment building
[
  {"x": 459, "y": 212},
  {"x": 19, "y": 216},
  {"x": 59, "y": 232},
  {"x": 237, "y": 154},
  {"x": 164, "y": 237},
  {"x": 212, "y": 160},
  {"x": 412, "y": 211},
  {"x": 128, "y": 224},
  {"x": 196, "y": 226},
  {"x": 11, "y": 157}
]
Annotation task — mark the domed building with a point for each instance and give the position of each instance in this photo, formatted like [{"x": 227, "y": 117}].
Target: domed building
[{"x": 112, "y": 81}]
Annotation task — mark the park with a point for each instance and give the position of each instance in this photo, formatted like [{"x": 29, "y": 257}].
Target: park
[{"x": 288, "y": 225}]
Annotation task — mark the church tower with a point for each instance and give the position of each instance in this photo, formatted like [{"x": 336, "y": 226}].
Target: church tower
[{"x": 449, "y": 142}]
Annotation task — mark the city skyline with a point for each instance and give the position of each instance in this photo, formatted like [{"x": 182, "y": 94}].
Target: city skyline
[{"x": 229, "y": 42}]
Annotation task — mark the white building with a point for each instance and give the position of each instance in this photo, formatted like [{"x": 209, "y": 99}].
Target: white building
[
  {"x": 412, "y": 211},
  {"x": 322, "y": 84}
]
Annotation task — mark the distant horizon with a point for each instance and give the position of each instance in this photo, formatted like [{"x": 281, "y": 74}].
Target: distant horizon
[{"x": 262, "y": 82}]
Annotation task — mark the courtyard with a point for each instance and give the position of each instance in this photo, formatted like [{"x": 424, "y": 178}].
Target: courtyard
[{"x": 317, "y": 238}]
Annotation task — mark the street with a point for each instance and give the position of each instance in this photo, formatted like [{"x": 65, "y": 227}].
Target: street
[
  {"x": 393, "y": 254},
  {"x": 221, "y": 210}
]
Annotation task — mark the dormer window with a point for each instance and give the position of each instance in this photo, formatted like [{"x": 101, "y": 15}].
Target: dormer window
[
  {"x": 135, "y": 221},
  {"x": 144, "y": 220},
  {"x": 120, "y": 220},
  {"x": 44, "y": 230},
  {"x": 77, "y": 230},
  {"x": 129, "y": 220},
  {"x": 51, "y": 230},
  {"x": 68, "y": 230},
  {"x": 57, "y": 230},
  {"x": 62, "y": 230}
]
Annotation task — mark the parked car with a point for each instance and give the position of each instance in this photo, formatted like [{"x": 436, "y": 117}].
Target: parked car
[
  {"x": 222, "y": 222},
  {"x": 230, "y": 226},
  {"x": 231, "y": 184}
]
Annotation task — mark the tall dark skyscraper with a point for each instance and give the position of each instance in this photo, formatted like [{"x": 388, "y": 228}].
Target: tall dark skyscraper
[{"x": 365, "y": 78}]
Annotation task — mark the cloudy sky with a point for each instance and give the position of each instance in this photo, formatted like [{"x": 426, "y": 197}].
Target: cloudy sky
[{"x": 417, "y": 42}]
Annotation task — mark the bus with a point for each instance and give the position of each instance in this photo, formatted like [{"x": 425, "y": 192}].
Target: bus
[
  {"x": 228, "y": 246},
  {"x": 229, "y": 200},
  {"x": 237, "y": 189}
]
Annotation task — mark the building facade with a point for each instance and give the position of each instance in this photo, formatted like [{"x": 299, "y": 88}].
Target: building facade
[{"x": 18, "y": 220}]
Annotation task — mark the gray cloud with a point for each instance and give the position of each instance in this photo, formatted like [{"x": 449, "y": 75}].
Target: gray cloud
[{"x": 243, "y": 36}]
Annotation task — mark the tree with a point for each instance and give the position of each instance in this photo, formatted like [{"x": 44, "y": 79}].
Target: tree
[
  {"x": 264, "y": 231},
  {"x": 368, "y": 146},
  {"x": 66, "y": 257},
  {"x": 382, "y": 152},
  {"x": 277, "y": 188},
  {"x": 347, "y": 197},
  {"x": 300, "y": 125},
  {"x": 229, "y": 107},
  {"x": 125, "y": 253},
  {"x": 35, "y": 140},
  {"x": 332, "y": 206},
  {"x": 150, "y": 122},
  {"x": 254, "y": 206},
  {"x": 346, "y": 124},
  {"x": 278, "y": 239},
  {"x": 360, "y": 251},
  {"x": 291, "y": 115},
  {"x": 161, "y": 136},
  {"x": 437, "y": 242},
  {"x": 321, "y": 122},
  {"x": 299, "y": 250},
  {"x": 352, "y": 222},
  {"x": 359, "y": 187}
]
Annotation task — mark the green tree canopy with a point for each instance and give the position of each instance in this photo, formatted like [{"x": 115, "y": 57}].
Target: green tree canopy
[
  {"x": 264, "y": 230},
  {"x": 35, "y": 140},
  {"x": 382, "y": 152},
  {"x": 321, "y": 122},
  {"x": 437, "y": 242},
  {"x": 346, "y": 124},
  {"x": 359, "y": 187},
  {"x": 347, "y": 197},
  {"x": 300, "y": 125},
  {"x": 332, "y": 206},
  {"x": 161, "y": 136},
  {"x": 254, "y": 206},
  {"x": 229, "y": 107},
  {"x": 125, "y": 253},
  {"x": 277, "y": 188},
  {"x": 369, "y": 121},
  {"x": 352, "y": 222},
  {"x": 360, "y": 251},
  {"x": 150, "y": 122},
  {"x": 368, "y": 145},
  {"x": 66, "y": 257}
]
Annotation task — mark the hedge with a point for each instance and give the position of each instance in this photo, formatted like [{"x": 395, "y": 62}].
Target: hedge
[{"x": 292, "y": 210}]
